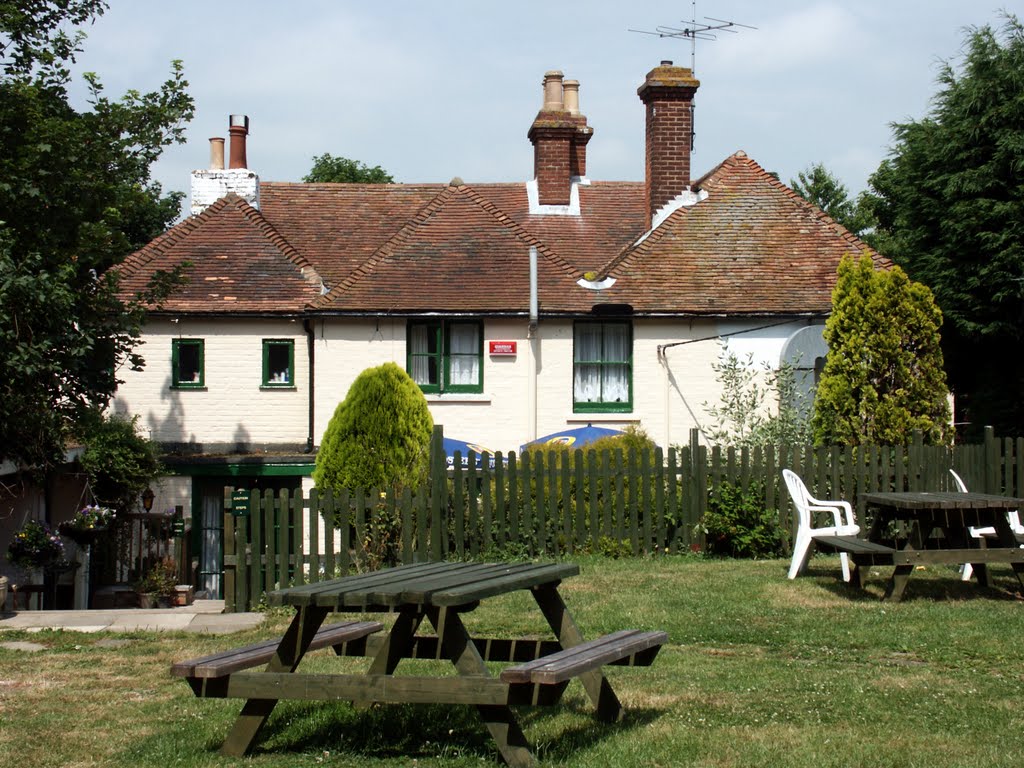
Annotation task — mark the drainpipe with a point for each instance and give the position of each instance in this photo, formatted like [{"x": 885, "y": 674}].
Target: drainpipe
[
  {"x": 531, "y": 426},
  {"x": 307, "y": 326}
]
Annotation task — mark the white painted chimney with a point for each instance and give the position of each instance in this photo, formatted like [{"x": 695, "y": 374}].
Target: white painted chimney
[{"x": 210, "y": 185}]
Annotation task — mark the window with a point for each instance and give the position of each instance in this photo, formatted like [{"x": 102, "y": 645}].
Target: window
[
  {"x": 446, "y": 356},
  {"x": 602, "y": 367},
  {"x": 187, "y": 367},
  {"x": 278, "y": 363}
]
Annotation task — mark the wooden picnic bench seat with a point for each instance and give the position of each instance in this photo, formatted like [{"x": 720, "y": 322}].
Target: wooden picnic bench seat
[
  {"x": 864, "y": 552},
  {"x": 224, "y": 663},
  {"x": 628, "y": 646}
]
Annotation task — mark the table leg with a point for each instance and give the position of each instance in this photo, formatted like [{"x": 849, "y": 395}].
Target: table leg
[
  {"x": 561, "y": 622},
  {"x": 289, "y": 653},
  {"x": 894, "y": 592},
  {"x": 397, "y": 646},
  {"x": 455, "y": 642}
]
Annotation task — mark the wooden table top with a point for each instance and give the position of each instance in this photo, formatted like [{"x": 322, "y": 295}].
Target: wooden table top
[
  {"x": 437, "y": 584},
  {"x": 941, "y": 500}
]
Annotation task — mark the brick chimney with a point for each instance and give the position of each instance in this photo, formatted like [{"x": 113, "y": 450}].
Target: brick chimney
[
  {"x": 210, "y": 185},
  {"x": 559, "y": 135},
  {"x": 668, "y": 95}
]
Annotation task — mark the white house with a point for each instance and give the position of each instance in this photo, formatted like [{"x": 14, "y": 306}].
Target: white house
[{"x": 519, "y": 308}]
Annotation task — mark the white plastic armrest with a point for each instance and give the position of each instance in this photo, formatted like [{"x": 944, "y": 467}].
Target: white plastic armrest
[{"x": 834, "y": 507}]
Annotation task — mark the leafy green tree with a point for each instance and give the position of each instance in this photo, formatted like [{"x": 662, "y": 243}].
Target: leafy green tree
[
  {"x": 950, "y": 207},
  {"x": 76, "y": 197},
  {"x": 119, "y": 462},
  {"x": 819, "y": 187},
  {"x": 327, "y": 168},
  {"x": 883, "y": 377},
  {"x": 379, "y": 435}
]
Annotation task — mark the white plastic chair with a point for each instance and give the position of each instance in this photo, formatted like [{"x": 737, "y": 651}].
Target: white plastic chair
[
  {"x": 1012, "y": 517},
  {"x": 842, "y": 518}
]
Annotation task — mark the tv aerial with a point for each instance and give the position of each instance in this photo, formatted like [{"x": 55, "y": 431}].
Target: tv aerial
[{"x": 696, "y": 31}]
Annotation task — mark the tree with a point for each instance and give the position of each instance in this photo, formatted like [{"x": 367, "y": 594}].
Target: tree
[
  {"x": 327, "y": 168},
  {"x": 950, "y": 207},
  {"x": 818, "y": 186},
  {"x": 119, "y": 462},
  {"x": 76, "y": 197},
  {"x": 379, "y": 435},
  {"x": 883, "y": 377}
]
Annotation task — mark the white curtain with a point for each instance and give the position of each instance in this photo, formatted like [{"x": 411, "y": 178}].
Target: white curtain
[
  {"x": 586, "y": 353},
  {"x": 419, "y": 359},
  {"x": 616, "y": 352},
  {"x": 464, "y": 353},
  {"x": 601, "y": 353}
]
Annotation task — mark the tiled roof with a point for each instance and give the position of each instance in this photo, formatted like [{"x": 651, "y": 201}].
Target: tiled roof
[
  {"x": 460, "y": 253},
  {"x": 753, "y": 246},
  {"x": 238, "y": 263}
]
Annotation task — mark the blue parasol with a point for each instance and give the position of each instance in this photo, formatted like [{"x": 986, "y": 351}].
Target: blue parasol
[
  {"x": 451, "y": 445},
  {"x": 577, "y": 437}
]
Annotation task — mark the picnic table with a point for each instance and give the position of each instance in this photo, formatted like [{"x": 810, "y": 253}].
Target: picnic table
[
  {"x": 933, "y": 529},
  {"x": 440, "y": 593}
]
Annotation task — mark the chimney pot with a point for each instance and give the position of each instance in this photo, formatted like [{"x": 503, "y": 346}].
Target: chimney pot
[
  {"x": 571, "y": 96},
  {"x": 553, "y": 91},
  {"x": 217, "y": 153},
  {"x": 238, "y": 127}
]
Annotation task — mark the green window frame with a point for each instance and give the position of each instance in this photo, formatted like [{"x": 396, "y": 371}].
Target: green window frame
[
  {"x": 279, "y": 363},
  {"x": 188, "y": 363},
  {"x": 602, "y": 367},
  {"x": 446, "y": 355}
]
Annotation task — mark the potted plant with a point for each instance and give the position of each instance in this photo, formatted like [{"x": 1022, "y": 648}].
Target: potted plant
[
  {"x": 158, "y": 587},
  {"x": 35, "y": 546},
  {"x": 88, "y": 523}
]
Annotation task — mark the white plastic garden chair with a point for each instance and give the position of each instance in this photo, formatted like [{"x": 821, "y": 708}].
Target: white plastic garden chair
[
  {"x": 842, "y": 519},
  {"x": 1012, "y": 517}
]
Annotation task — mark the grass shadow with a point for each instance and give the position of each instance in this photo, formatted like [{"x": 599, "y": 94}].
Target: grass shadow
[
  {"x": 936, "y": 583},
  {"x": 424, "y": 731}
]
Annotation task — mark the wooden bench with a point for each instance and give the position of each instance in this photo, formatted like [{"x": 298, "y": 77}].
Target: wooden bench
[
  {"x": 863, "y": 552},
  {"x": 221, "y": 664},
  {"x": 629, "y": 646}
]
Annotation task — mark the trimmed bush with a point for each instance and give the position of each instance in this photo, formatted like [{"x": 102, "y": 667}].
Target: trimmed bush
[{"x": 379, "y": 435}]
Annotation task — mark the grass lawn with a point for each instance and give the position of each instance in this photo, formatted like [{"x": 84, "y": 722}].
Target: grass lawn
[{"x": 760, "y": 671}]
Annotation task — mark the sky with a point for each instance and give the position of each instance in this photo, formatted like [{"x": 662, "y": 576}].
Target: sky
[{"x": 431, "y": 91}]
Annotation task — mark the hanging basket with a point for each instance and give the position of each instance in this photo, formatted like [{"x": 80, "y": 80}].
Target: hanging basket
[{"x": 83, "y": 537}]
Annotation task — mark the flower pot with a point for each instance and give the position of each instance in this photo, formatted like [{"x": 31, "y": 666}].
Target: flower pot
[{"x": 147, "y": 599}]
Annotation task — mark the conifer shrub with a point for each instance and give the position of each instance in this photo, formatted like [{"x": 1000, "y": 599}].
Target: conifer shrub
[{"x": 378, "y": 437}]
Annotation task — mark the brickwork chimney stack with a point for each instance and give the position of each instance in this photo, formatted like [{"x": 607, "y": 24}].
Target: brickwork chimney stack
[
  {"x": 668, "y": 93},
  {"x": 559, "y": 135}
]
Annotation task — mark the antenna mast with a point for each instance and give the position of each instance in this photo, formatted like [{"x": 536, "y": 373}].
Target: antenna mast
[{"x": 695, "y": 32}]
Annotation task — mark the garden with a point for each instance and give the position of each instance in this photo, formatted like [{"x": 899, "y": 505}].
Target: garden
[{"x": 758, "y": 670}]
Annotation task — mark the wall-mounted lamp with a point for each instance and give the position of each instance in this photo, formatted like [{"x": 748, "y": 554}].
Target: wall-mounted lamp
[{"x": 147, "y": 499}]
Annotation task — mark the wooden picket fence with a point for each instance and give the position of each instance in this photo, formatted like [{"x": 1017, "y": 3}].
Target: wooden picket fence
[{"x": 615, "y": 503}]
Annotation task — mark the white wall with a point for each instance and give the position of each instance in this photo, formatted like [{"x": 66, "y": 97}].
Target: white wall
[
  {"x": 669, "y": 391},
  {"x": 232, "y": 407}
]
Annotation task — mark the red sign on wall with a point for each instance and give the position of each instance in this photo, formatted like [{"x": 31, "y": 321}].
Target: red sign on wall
[{"x": 501, "y": 347}]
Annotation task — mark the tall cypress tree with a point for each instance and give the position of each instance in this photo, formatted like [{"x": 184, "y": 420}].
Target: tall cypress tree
[{"x": 883, "y": 377}]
